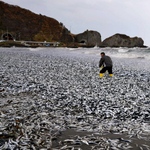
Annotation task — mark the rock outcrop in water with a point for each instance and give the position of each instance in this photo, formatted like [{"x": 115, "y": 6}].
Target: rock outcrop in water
[
  {"x": 122, "y": 40},
  {"x": 89, "y": 38}
]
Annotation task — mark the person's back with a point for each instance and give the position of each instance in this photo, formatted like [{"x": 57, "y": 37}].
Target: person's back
[{"x": 106, "y": 60}]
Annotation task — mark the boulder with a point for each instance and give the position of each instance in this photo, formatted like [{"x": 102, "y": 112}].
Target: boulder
[
  {"x": 89, "y": 38},
  {"x": 122, "y": 40}
]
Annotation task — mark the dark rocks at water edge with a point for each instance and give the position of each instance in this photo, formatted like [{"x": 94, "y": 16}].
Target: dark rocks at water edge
[
  {"x": 93, "y": 38},
  {"x": 122, "y": 40},
  {"x": 88, "y": 38},
  {"x": 44, "y": 93}
]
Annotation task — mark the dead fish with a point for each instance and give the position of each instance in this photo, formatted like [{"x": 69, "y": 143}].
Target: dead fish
[
  {"x": 69, "y": 141},
  {"x": 85, "y": 142},
  {"x": 64, "y": 147},
  {"x": 4, "y": 146}
]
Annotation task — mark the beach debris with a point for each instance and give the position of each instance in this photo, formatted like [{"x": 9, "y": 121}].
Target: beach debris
[{"x": 44, "y": 93}]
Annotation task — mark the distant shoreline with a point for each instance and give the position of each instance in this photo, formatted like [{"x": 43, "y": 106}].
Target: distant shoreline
[{"x": 10, "y": 44}]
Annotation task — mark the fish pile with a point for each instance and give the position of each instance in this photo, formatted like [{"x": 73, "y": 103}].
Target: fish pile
[{"x": 45, "y": 93}]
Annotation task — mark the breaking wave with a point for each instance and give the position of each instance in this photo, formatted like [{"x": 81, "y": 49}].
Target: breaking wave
[{"x": 140, "y": 53}]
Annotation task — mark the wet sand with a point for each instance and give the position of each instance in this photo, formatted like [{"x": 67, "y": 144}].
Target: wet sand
[{"x": 123, "y": 141}]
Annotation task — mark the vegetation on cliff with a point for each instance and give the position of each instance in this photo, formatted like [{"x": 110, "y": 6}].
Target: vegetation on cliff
[{"x": 26, "y": 25}]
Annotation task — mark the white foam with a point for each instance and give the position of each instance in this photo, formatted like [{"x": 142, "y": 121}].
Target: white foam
[{"x": 123, "y": 50}]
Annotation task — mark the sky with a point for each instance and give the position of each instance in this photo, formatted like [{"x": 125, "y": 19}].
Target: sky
[{"x": 108, "y": 17}]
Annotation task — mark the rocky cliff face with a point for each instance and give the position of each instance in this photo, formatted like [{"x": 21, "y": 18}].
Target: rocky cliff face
[
  {"x": 26, "y": 25},
  {"x": 121, "y": 40},
  {"x": 89, "y": 38}
]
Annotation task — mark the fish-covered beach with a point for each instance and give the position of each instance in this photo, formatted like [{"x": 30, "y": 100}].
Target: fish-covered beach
[{"x": 54, "y": 99}]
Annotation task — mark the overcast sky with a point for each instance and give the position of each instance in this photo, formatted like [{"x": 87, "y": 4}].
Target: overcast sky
[{"x": 108, "y": 17}]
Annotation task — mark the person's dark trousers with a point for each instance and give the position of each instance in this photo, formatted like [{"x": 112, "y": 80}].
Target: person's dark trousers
[{"x": 109, "y": 69}]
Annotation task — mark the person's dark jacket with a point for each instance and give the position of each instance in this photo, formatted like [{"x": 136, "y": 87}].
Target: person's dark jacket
[{"x": 105, "y": 61}]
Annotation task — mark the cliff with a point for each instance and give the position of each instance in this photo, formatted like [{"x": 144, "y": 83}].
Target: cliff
[
  {"x": 26, "y": 25},
  {"x": 122, "y": 40},
  {"x": 88, "y": 38}
]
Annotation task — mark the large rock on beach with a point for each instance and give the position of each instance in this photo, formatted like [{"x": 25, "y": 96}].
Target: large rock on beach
[
  {"x": 122, "y": 40},
  {"x": 89, "y": 38}
]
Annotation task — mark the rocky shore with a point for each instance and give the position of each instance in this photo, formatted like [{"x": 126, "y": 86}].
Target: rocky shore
[
  {"x": 88, "y": 39},
  {"x": 54, "y": 99},
  {"x": 122, "y": 40}
]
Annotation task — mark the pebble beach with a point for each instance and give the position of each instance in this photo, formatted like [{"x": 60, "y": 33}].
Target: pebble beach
[{"x": 53, "y": 98}]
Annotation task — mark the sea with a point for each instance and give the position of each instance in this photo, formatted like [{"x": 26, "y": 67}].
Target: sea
[
  {"x": 136, "y": 57},
  {"x": 121, "y": 52}
]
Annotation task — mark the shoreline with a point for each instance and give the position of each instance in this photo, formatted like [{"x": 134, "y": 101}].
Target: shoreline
[
  {"x": 78, "y": 139},
  {"x": 10, "y": 44}
]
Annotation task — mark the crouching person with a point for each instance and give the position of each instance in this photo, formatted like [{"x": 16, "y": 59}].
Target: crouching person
[{"x": 106, "y": 63}]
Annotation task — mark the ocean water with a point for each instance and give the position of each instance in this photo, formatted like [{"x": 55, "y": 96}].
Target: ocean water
[
  {"x": 143, "y": 53},
  {"x": 134, "y": 58},
  {"x": 136, "y": 53}
]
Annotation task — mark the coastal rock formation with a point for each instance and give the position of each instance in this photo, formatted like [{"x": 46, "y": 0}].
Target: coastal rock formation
[
  {"x": 66, "y": 36},
  {"x": 23, "y": 24},
  {"x": 122, "y": 40},
  {"x": 89, "y": 38}
]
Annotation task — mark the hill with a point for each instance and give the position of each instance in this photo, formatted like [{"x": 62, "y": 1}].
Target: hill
[
  {"x": 22, "y": 24},
  {"x": 26, "y": 25}
]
